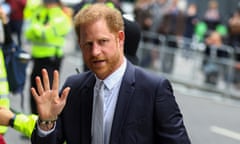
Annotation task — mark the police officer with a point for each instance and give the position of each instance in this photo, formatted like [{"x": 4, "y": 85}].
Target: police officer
[
  {"x": 30, "y": 7},
  {"x": 4, "y": 87},
  {"x": 46, "y": 31}
]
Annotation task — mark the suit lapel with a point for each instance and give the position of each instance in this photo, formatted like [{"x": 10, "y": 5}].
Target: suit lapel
[
  {"x": 86, "y": 110},
  {"x": 125, "y": 94}
]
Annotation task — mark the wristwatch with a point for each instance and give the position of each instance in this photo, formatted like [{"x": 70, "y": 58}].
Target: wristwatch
[{"x": 11, "y": 121}]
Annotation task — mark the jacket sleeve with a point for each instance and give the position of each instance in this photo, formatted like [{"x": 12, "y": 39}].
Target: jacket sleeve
[
  {"x": 169, "y": 120},
  {"x": 7, "y": 34}
]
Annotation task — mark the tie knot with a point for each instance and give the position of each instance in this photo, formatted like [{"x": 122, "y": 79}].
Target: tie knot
[{"x": 100, "y": 85}]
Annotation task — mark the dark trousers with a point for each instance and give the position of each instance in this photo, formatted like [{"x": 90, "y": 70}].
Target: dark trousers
[
  {"x": 50, "y": 64},
  {"x": 16, "y": 28}
]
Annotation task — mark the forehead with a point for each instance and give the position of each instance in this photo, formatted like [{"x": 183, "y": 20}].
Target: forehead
[
  {"x": 95, "y": 30},
  {"x": 95, "y": 27}
]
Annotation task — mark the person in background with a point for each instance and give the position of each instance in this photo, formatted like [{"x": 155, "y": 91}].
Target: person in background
[
  {"x": 142, "y": 14},
  {"x": 212, "y": 16},
  {"x": 159, "y": 8},
  {"x": 46, "y": 31},
  {"x": 132, "y": 32},
  {"x": 234, "y": 29},
  {"x": 234, "y": 41},
  {"x": 4, "y": 87},
  {"x": 191, "y": 20},
  {"x": 214, "y": 55},
  {"x": 30, "y": 8},
  {"x": 172, "y": 26},
  {"x": 136, "y": 106},
  {"x": 17, "y": 18}
]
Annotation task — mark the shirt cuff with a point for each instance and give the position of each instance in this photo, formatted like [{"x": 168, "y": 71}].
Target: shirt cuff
[{"x": 43, "y": 133}]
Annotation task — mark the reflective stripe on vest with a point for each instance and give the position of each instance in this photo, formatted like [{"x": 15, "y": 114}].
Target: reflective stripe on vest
[
  {"x": 4, "y": 87},
  {"x": 43, "y": 51}
]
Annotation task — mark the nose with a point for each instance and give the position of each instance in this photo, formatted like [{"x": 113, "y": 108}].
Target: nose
[{"x": 96, "y": 49}]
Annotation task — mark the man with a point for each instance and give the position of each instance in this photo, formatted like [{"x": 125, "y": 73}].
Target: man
[
  {"x": 138, "y": 107},
  {"x": 16, "y": 18}
]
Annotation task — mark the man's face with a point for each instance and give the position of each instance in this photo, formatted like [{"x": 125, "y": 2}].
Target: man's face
[{"x": 102, "y": 50}]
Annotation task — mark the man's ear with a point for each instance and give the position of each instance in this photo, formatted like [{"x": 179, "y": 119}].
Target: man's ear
[{"x": 121, "y": 36}]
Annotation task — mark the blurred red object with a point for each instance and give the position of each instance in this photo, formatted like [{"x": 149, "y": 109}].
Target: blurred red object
[{"x": 2, "y": 140}]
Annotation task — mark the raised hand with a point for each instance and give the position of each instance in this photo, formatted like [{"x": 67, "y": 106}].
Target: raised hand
[
  {"x": 49, "y": 103},
  {"x": 3, "y": 16}
]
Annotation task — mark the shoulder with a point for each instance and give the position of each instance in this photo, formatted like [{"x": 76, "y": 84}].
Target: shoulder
[
  {"x": 136, "y": 73},
  {"x": 154, "y": 84},
  {"x": 152, "y": 78},
  {"x": 149, "y": 73},
  {"x": 79, "y": 79}
]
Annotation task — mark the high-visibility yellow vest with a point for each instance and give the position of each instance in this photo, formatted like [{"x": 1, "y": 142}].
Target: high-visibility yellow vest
[
  {"x": 4, "y": 88},
  {"x": 30, "y": 8},
  {"x": 47, "y": 30},
  {"x": 109, "y": 4}
]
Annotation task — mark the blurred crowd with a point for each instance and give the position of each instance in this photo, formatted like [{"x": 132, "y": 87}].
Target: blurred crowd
[
  {"x": 173, "y": 19},
  {"x": 168, "y": 17}
]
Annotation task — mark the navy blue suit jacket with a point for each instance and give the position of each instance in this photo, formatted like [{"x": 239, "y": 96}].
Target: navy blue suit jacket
[{"x": 146, "y": 112}]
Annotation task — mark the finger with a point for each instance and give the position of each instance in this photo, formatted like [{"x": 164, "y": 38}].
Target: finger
[
  {"x": 55, "y": 80},
  {"x": 45, "y": 79},
  {"x": 34, "y": 93},
  {"x": 39, "y": 85},
  {"x": 65, "y": 94}
]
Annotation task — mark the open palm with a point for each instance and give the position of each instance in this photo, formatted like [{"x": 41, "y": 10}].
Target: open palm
[{"x": 49, "y": 103}]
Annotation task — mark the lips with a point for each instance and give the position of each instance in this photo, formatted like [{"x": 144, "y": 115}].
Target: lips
[{"x": 98, "y": 63}]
